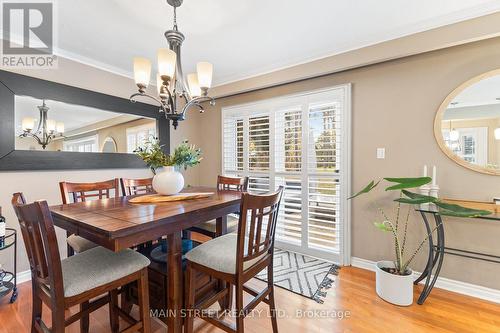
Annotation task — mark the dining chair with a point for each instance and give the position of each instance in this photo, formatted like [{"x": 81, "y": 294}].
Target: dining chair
[
  {"x": 136, "y": 186},
  {"x": 236, "y": 258},
  {"x": 77, "y": 280},
  {"x": 224, "y": 184},
  {"x": 79, "y": 192}
]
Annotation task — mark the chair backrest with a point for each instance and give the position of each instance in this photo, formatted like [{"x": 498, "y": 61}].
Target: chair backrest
[
  {"x": 232, "y": 183},
  {"x": 136, "y": 186},
  {"x": 82, "y": 191},
  {"x": 40, "y": 240},
  {"x": 257, "y": 225}
]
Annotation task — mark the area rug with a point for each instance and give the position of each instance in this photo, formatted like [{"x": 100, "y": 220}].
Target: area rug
[{"x": 303, "y": 275}]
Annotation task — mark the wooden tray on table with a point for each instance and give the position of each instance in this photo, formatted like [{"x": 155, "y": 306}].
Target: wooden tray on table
[{"x": 156, "y": 198}]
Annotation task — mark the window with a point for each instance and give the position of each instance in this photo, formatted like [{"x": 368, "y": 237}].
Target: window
[
  {"x": 301, "y": 143},
  {"x": 86, "y": 144},
  {"x": 472, "y": 144},
  {"x": 137, "y": 135}
]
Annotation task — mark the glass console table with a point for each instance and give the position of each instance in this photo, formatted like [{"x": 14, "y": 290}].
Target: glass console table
[{"x": 437, "y": 250}]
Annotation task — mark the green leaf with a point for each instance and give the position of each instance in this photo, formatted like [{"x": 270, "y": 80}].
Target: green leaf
[
  {"x": 459, "y": 211},
  {"x": 415, "y": 198},
  {"x": 367, "y": 189},
  {"x": 382, "y": 226},
  {"x": 403, "y": 183}
]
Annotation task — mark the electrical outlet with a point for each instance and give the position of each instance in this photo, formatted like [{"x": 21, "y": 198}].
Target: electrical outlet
[{"x": 381, "y": 153}]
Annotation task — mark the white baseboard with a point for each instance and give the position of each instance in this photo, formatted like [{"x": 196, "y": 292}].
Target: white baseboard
[
  {"x": 23, "y": 276},
  {"x": 469, "y": 289}
]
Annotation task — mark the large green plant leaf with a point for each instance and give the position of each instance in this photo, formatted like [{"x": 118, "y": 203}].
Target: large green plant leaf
[
  {"x": 403, "y": 183},
  {"x": 367, "y": 189},
  {"x": 459, "y": 211},
  {"x": 415, "y": 198}
]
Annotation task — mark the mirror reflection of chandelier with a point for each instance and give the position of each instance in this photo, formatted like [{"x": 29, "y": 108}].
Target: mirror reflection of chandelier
[
  {"x": 47, "y": 129},
  {"x": 174, "y": 97}
]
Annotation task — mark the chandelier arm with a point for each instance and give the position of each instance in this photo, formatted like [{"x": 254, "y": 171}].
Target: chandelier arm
[
  {"x": 170, "y": 100},
  {"x": 196, "y": 102},
  {"x": 157, "y": 100}
]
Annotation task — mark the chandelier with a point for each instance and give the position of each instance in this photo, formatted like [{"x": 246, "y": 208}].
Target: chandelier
[
  {"x": 174, "y": 98},
  {"x": 47, "y": 130}
]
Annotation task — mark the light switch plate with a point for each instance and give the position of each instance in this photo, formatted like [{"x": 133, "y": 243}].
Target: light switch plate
[{"x": 381, "y": 153}]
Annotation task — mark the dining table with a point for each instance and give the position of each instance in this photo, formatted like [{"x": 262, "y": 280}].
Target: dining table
[{"x": 117, "y": 224}]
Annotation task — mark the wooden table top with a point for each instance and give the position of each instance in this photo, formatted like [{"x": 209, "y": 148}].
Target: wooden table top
[{"x": 117, "y": 217}]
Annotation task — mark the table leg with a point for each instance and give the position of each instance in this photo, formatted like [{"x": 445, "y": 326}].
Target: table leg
[
  {"x": 175, "y": 282},
  {"x": 440, "y": 252},
  {"x": 221, "y": 229},
  {"x": 430, "y": 262}
]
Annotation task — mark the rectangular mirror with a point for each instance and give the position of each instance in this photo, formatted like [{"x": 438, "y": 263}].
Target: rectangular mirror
[
  {"x": 84, "y": 129},
  {"x": 77, "y": 128}
]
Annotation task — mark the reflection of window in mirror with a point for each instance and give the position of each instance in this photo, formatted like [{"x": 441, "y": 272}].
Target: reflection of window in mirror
[
  {"x": 109, "y": 145},
  {"x": 136, "y": 135},
  {"x": 87, "y": 144}
]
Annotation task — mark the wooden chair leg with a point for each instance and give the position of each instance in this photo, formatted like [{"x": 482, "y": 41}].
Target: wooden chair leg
[
  {"x": 143, "y": 293},
  {"x": 113, "y": 311},
  {"x": 240, "y": 328},
  {"x": 126, "y": 303},
  {"x": 272, "y": 304},
  {"x": 58, "y": 320},
  {"x": 84, "y": 320},
  {"x": 70, "y": 250},
  {"x": 189, "y": 299},
  {"x": 36, "y": 314}
]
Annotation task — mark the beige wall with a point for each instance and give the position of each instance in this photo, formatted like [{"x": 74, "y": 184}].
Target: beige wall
[{"x": 394, "y": 104}]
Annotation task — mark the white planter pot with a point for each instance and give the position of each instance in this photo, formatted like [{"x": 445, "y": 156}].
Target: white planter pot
[
  {"x": 168, "y": 181},
  {"x": 395, "y": 289}
]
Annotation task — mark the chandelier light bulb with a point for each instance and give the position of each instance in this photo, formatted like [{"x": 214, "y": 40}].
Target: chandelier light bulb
[
  {"x": 454, "y": 135},
  {"x": 194, "y": 86},
  {"x": 205, "y": 70},
  {"x": 167, "y": 60},
  {"x": 60, "y": 127},
  {"x": 28, "y": 124},
  {"x": 142, "y": 71}
]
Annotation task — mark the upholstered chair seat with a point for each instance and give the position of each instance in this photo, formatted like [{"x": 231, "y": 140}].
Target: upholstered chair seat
[
  {"x": 210, "y": 226},
  {"x": 80, "y": 244},
  {"x": 220, "y": 254},
  {"x": 97, "y": 267}
]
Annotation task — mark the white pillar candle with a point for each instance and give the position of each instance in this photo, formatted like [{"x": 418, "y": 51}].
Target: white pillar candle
[
  {"x": 425, "y": 170},
  {"x": 434, "y": 175}
]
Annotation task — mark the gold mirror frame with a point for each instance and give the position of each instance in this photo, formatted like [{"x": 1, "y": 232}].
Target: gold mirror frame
[{"x": 438, "y": 135}]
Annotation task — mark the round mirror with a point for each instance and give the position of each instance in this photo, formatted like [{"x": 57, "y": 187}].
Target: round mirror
[
  {"x": 109, "y": 145},
  {"x": 467, "y": 125}
]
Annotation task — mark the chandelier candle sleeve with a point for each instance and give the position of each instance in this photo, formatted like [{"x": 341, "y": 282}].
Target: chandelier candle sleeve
[
  {"x": 205, "y": 71},
  {"x": 142, "y": 71},
  {"x": 166, "y": 62},
  {"x": 194, "y": 86},
  {"x": 28, "y": 123}
]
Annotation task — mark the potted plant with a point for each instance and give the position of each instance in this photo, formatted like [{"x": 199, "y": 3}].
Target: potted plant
[
  {"x": 394, "y": 278},
  {"x": 167, "y": 179}
]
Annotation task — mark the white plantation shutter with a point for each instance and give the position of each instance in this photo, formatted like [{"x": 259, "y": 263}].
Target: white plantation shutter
[{"x": 300, "y": 143}]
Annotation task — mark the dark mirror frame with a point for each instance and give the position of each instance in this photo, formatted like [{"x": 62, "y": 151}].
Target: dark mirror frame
[{"x": 12, "y": 84}]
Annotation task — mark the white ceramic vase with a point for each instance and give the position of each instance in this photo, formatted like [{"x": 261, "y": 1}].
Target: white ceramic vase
[
  {"x": 395, "y": 289},
  {"x": 168, "y": 181}
]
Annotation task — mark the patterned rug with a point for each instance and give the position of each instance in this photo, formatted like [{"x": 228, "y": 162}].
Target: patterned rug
[{"x": 303, "y": 275}]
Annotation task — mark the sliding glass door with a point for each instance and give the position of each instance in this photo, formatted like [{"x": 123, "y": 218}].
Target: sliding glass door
[{"x": 301, "y": 143}]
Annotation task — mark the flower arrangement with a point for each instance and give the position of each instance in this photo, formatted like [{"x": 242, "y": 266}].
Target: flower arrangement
[{"x": 184, "y": 155}]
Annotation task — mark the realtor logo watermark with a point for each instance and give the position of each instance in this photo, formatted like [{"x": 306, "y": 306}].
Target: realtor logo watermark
[{"x": 28, "y": 35}]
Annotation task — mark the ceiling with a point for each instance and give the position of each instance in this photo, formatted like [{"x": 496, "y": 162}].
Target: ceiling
[{"x": 246, "y": 37}]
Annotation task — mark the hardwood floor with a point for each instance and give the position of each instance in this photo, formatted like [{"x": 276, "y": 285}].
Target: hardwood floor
[{"x": 353, "y": 292}]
